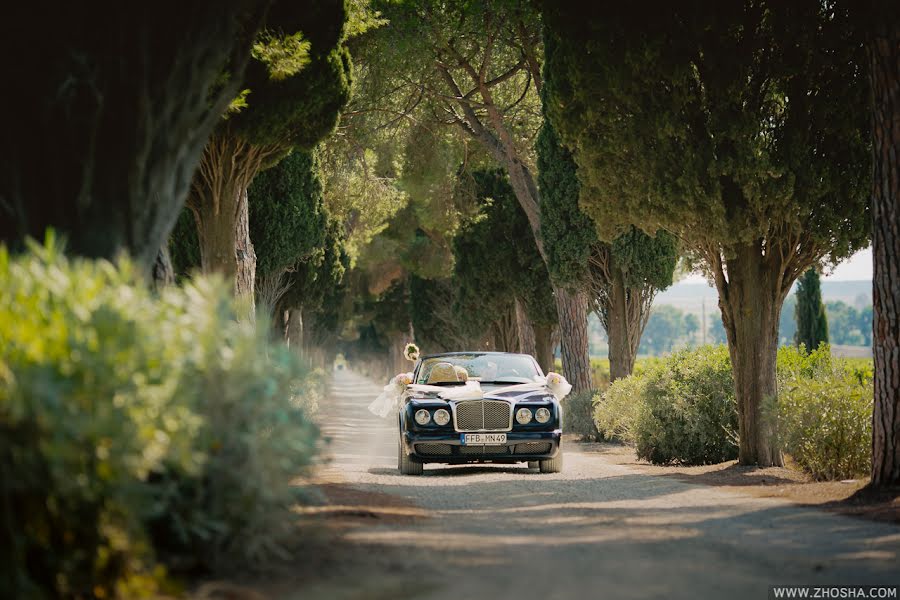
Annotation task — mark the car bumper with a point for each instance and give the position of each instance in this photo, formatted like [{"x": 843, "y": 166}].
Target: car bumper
[{"x": 523, "y": 446}]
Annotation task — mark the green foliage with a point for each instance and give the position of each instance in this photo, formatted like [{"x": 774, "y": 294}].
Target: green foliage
[
  {"x": 317, "y": 282},
  {"x": 568, "y": 233},
  {"x": 645, "y": 260},
  {"x": 616, "y": 410},
  {"x": 688, "y": 413},
  {"x": 825, "y": 414},
  {"x": 797, "y": 362},
  {"x": 679, "y": 410},
  {"x": 496, "y": 252},
  {"x": 682, "y": 410},
  {"x": 723, "y": 125},
  {"x": 134, "y": 427},
  {"x": 578, "y": 416},
  {"x": 812, "y": 324},
  {"x": 299, "y": 78},
  {"x": 665, "y": 328},
  {"x": 848, "y": 325},
  {"x": 287, "y": 218}
]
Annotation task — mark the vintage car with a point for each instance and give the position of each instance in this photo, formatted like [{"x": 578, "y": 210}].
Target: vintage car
[{"x": 502, "y": 426}]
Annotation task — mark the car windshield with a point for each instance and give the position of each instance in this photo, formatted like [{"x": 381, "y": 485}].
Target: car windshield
[{"x": 486, "y": 368}]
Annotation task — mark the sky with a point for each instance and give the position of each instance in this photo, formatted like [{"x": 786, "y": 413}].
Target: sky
[{"x": 857, "y": 267}]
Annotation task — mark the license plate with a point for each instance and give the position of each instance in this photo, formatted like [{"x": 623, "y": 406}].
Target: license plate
[{"x": 489, "y": 439}]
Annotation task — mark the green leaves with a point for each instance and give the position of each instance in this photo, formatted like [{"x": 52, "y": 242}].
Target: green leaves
[
  {"x": 120, "y": 409},
  {"x": 283, "y": 55},
  {"x": 722, "y": 126}
]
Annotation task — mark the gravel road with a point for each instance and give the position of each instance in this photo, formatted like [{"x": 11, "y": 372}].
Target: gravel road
[{"x": 597, "y": 530}]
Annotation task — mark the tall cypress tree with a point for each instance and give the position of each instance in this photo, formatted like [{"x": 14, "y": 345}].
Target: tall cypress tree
[{"x": 812, "y": 324}]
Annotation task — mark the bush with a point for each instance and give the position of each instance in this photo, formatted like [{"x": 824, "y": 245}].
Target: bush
[
  {"x": 129, "y": 421},
  {"x": 616, "y": 411},
  {"x": 825, "y": 414},
  {"x": 578, "y": 416},
  {"x": 678, "y": 410}
]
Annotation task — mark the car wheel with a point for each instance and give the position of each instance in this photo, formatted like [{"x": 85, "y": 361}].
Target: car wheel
[
  {"x": 533, "y": 464},
  {"x": 405, "y": 464},
  {"x": 552, "y": 465}
]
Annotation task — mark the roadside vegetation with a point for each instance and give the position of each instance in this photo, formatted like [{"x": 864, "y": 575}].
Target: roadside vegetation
[
  {"x": 143, "y": 435},
  {"x": 232, "y": 198},
  {"x": 681, "y": 410}
]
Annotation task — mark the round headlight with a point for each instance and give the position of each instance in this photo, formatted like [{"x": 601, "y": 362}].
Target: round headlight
[
  {"x": 441, "y": 416},
  {"x": 542, "y": 415},
  {"x": 523, "y": 416},
  {"x": 423, "y": 416}
]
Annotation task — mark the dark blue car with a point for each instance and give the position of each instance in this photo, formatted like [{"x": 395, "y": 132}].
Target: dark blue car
[{"x": 504, "y": 426}]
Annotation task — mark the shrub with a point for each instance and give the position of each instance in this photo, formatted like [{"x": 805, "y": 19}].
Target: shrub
[
  {"x": 578, "y": 416},
  {"x": 825, "y": 413},
  {"x": 616, "y": 411},
  {"x": 686, "y": 408},
  {"x": 128, "y": 420},
  {"x": 600, "y": 373}
]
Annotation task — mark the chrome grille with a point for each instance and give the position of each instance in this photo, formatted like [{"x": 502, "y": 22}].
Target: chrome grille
[
  {"x": 433, "y": 449},
  {"x": 482, "y": 450},
  {"x": 533, "y": 448},
  {"x": 477, "y": 415}
]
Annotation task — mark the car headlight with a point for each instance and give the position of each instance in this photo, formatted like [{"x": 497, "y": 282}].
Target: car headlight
[
  {"x": 423, "y": 416},
  {"x": 441, "y": 416},
  {"x": 523, "y": 416},
  {"x": 542, "y": 415}
]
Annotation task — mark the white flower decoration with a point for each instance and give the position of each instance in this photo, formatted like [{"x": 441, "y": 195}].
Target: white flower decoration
[{"x": 411, "y": 352}]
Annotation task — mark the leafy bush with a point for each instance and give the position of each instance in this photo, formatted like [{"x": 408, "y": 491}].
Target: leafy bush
[
  {"x": 825, "y": 413},
  {"x": 578, "y": 416},
  {"x": 616, "y": 411},
  {"x": 129, "y": 421},
  {"x": 678, "y": 410},
  {"x": 600, "y": 373}
]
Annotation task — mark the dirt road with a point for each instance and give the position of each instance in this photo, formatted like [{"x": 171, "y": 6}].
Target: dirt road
[{"x": 597, "y": 530}]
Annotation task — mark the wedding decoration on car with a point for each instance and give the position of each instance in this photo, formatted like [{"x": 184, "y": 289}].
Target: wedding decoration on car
[
  {"x": 389, "y": 399},
  {"x": 387, "y": 402},
  {"x": 411, "y": 352}
]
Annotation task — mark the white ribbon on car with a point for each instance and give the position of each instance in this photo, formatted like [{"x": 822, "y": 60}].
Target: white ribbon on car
[{"x": 389, "y": 400}]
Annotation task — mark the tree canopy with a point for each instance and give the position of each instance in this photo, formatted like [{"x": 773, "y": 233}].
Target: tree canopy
[
  {"x": 113, "y": 107},
  {"x": 287, "y": 215},
  {"x": 742, "y": 129},
  {"x": 756, "y": 131}
]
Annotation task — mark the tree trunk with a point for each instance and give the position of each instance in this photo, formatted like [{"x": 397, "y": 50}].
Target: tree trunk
[
  {"x": 244, "y": 254},
  {"x": 571, "y": 306},
  {"x": 109, "y": 129},
  {"x": 884, "y": 69},
  {"x": 500, "y": 143},
  {"x": 525, "y": 330},
  {"x": 619, "y": 326},
  {"x": 543, "y": 344},
  {"x": 505, "y": 331},
  {"x": 750, "y": 301},
  {"x": 162, "y": 273},
  {"x": 294, "y": 330},
  {"x": 219, "y": 202}
]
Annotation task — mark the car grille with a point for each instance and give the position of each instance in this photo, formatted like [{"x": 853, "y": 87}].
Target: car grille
[
  {"x": 481, "y": 450},
  {"x": 433, "y": 449},
  {"x": 476, "y": 415},
  {"x": 533, "y": 448}
]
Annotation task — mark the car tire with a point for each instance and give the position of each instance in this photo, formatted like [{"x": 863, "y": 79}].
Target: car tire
[
  {"x": 552, "y": 465},
  {"x": 405, "y": 464},
  {"x": 533, "y": 464}
]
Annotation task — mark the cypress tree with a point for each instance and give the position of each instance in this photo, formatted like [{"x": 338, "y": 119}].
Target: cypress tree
[{"x": 812, "y": 323}]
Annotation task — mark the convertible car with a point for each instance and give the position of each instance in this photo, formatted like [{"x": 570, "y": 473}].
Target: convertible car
[{"x": 506, "y": 422}]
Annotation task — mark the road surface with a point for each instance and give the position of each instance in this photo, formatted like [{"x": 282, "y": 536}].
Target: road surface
[{"x": 597, "y": 530}]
